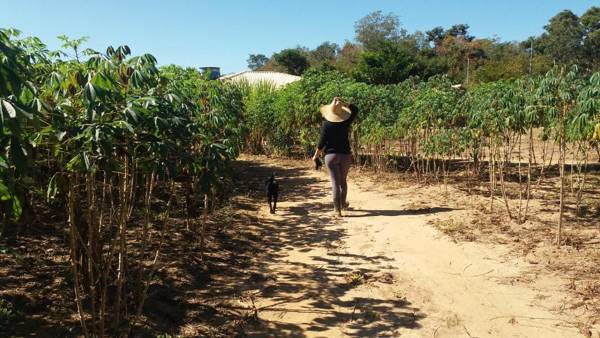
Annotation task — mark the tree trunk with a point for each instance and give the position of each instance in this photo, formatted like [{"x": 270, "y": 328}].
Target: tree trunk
[
  {"x": 203, "y": 230},
  {"x": 531, "y": 158},
  {"x": 561, "y": 164},
  {"x": 74, "y": 256}
]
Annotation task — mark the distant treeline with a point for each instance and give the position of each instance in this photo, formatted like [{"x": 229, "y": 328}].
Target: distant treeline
[{"x": 384, "y": 53}]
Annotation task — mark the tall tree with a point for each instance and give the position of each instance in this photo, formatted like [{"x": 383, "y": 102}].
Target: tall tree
[
  {"x": 348, "y": 57},
  {"x": 324, "y": 54},
  {"x": 459, "y": 30},
  {"x": 387, "y": 63},
  {"x": 562, "y": 40},
  {"x": 293, "y": 61},
  {"x": 435, "y": 35},
  {"x": 376, "y": 27},
  {"x": 462, "y": 55},
  {"x": 257, "y": 61},
  {"x": 590, "y": 22}
]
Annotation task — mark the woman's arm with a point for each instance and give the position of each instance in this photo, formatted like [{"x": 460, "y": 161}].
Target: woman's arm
[
  {"x": 353, "y": 110},
  {"x": 317, "y": 154},
  {"x": 321, "y": 143}
]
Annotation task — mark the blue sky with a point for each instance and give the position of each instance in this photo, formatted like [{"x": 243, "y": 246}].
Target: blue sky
[{"x": 223, "y": 33}]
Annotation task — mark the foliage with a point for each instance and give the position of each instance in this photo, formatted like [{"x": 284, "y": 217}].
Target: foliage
[
  {"x": 324, "y": 55},
  {"x": 7, "y": 314},
  {"x": 381, "y": 47},
  {"x": 102, "y": 138},
  {"x": 293, "y": 61},
  {"x": 386, "y": 63},
  {"x": 590, "y": 20},
  {"x": 376, "y": 27},
  {"x": 562, "y": 39},
  {"x": 18, "y": 105},
  {"x": 569, "y": 39},
  {"x": 257, "y": 61},
  {"x": 432, "y": 122},
  {"x": 99, "y": 138}
]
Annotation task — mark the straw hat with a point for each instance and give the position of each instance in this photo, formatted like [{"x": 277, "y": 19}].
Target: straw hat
[{"x": 335, "y": 111}]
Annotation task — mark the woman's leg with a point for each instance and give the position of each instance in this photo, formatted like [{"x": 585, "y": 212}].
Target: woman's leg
[
  {"x": 332, "y": 161},
  {"x": 345, "y": 162}
]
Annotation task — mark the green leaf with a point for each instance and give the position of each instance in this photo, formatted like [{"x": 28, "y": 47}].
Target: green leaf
[
  {"x": 76, "y": 163},
  {"x": 8, "y": 106},
  {"x": 131, "y": 112},
  {"x": 86, "y": 160},
  {"x": 25, "y": 113},
  {"x": 127, "y": 125},
  {"x": 5, "y": 194},
  {"x": 52, "y": 187},
  {"x": 61, "y": 135},
  {"x": 89, "y": 92},
  {"x": 17, "y": 209}
]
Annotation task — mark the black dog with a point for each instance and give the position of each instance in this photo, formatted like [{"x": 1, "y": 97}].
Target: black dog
[
  {"x": 272, "y": 187},
  {"x": 318, "y": 163}
]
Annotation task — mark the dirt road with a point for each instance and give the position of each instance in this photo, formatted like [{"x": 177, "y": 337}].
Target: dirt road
[{"x": 384, "y": 271}]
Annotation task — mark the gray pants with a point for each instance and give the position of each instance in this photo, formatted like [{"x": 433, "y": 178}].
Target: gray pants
[{"x": 338, "y": 166}]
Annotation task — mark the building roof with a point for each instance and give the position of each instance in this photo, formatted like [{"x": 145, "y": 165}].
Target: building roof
[{"x": 255, "y": 77}]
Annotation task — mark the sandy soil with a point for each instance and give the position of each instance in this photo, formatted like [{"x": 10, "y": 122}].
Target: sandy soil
[
  {"x": 385, "y": 271},
  {"x": 410, "y": 259}
]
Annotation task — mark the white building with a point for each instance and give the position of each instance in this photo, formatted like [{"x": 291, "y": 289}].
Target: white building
[{"x": 255, "y": 77}]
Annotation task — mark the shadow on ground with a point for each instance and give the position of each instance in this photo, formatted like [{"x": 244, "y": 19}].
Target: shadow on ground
[
  {"x": 409, "y": 212},
  {"x": 191, "y": 297},
  {"x": 319, "y": 291}
]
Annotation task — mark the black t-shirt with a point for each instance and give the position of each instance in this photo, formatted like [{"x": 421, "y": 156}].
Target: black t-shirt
[{"x": 334, "y": 135}]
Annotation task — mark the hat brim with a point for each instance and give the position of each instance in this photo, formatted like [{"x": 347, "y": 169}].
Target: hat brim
[{"x": 330, "y": 114}]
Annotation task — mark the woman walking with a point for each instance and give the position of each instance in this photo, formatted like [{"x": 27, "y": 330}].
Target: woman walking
[{"x": 334, "y": 143}]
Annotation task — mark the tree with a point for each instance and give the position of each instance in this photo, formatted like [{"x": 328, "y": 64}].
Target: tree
[
  {"x": 257, "y": 61},
  {"x": 293, "y": 61},
  {"x": 459, "y": 30},
  {"x": 324, "y": 54},
  {"x": 562, "y": 40},
  {"x": 509, "y": 60},
  {"x": 376, "y": 27},
  {"x": 462, "y": 55},
  {"x": 348, "y": 57},
  {"x": 435, "y": 35},
  {"x": 438, "y": 34},
  {"x": 590, "y": 21},
  {"x": 388, "y": 63}
]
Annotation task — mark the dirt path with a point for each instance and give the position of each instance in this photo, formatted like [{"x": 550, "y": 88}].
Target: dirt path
[{"x": 382, "y": 271}]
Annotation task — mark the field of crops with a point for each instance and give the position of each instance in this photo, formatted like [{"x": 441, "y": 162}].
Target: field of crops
[
  {"x": 426, "y": 127},
  {"x": 105, "y": 141},
  {"x": 98, "y": 139}
]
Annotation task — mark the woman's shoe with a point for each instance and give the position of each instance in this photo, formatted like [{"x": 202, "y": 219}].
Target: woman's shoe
[{"x": 337, "y": 213}]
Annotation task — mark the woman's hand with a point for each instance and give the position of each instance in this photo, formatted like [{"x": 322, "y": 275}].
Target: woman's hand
[
  {"x": 316, "y": 155},
  {"x": 338, "y": 100}
]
